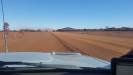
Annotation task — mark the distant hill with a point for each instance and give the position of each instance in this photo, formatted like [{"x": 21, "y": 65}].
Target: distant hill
[{"x": 67, "y": 29}]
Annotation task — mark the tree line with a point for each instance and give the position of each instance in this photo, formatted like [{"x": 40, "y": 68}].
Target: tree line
[{"x": 101, "y": 29}]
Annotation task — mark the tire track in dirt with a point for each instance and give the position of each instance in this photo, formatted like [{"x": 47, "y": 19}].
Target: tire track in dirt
[
  {"x": 68, "y": 46},
  {"x": 104, "y": 39},
  {"x": 90, "y": 47},
  {"x": 104, "y": 44},
  {"x": 95, "y": 38},
  {"x": 62, "y": 42}
]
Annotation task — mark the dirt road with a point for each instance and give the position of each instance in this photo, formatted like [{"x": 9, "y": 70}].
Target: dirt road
[{"x": 103, "y": 47}]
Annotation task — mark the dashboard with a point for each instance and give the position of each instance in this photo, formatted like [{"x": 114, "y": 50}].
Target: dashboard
[
  {"x": 56, "y": 73},
  {"x": 59, "y": 72}
]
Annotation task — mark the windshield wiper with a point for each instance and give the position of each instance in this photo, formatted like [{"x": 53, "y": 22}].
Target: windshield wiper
[{"x": 4, "y": 64}]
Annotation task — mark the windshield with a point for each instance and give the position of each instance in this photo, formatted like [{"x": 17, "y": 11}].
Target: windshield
[{"x": 64, "y": 30}]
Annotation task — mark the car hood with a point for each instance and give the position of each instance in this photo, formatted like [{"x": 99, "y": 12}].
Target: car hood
[{"x": 58, "y": 58}]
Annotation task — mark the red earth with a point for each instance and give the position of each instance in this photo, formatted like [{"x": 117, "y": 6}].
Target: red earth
[{"x": 103, "y": 45}]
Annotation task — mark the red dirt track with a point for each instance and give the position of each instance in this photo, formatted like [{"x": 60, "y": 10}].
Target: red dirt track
[{"x": 100, "y": 45}]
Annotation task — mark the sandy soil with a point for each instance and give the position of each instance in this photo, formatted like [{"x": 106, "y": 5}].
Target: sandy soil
[
  {"x": 33, "y": 41},
  {"x": 103, "y": 45}
]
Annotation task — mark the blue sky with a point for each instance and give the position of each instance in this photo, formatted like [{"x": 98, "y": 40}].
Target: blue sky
[{"x": 68, "y": 13}]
